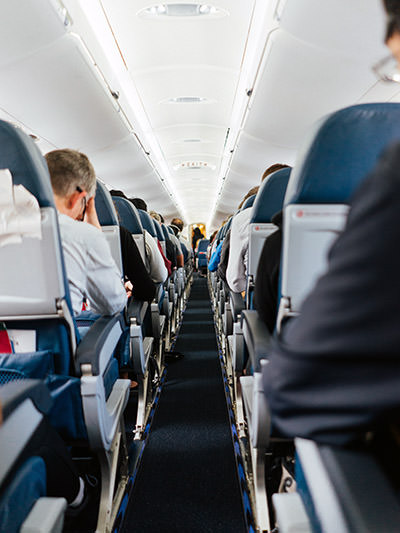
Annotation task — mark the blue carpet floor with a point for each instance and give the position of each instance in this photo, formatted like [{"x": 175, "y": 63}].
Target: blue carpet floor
[{"x": 187, "y": 480}]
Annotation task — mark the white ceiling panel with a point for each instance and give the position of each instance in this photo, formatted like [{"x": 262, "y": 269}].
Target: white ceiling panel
[{"x": 26, "y": 27}]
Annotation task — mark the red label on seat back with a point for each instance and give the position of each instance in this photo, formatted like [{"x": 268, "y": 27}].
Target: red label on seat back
[{"x": 5, "y": 344}]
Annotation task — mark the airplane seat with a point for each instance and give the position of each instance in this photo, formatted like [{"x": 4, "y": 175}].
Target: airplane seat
[
  {"x": 24, "y": 505},
  {"x": 202, "y": 253},
  {"x": 340, "y": 151},
  {"x": 130, "y": 219},
  {"x": 336, "y": 156},
  {"x": 109, "y": 223},
  {"x": 36, "y": 310},
  {"x": 162, "y": 311},
  {"x": 344, "y": 490},
  {"x": 249, "y": 202},
  {"x": 160, "y": 235},
  {"x": 133, "y": 354},
  {"x": 268, "y": 202}
]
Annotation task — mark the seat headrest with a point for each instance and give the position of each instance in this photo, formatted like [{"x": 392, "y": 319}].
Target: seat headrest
[
  {"x": 160, "y": 234},
  {"x": 165, "y": 232},
  {"x": 248, "y": 203},
  {"x": 104, "y": 206},
  {"x": 270, "y": 196},
  {"x": 147, "y": 223},
  {"x": 170, "y": 230},
  {"x": 128, "y": 215},
  {"x": 27, "y": 165},
  {"x": 340, "y": 151},
  {"x": 202, "y": 245}
]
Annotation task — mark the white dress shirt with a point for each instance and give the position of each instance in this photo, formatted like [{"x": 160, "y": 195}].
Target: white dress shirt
[{"x": 91, "y": 270}]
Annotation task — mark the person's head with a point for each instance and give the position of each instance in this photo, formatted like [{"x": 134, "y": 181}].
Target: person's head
[
  {"x": 251, "y": 192},
  {"x": 388, "y": 68},
  {"x": 116, "y": 192},
  {"x": 73, "y": 180},
  {"x": 273, "y": 168},
  {"x": 178, "y": 223},
  {"x": 139, "y": 203},
  {"x": 155, "y": 215},
  {"x": 392, "y": 36}
]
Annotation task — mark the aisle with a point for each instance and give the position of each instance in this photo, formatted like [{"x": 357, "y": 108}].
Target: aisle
[{"x": 187, "y": 481}]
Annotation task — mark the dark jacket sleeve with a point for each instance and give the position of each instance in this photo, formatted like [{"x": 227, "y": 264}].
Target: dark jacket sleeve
[
  {"x": 134, "y": 269},
  {"x": 267, "y": 279},
  {"x": 335, "y": 372}
]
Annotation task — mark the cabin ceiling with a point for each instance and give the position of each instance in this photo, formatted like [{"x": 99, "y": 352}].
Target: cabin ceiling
[{"x": 98, "y": 76}]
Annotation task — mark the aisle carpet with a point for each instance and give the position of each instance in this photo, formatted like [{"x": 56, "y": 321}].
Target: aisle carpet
[{"x": 187, "y": 480}]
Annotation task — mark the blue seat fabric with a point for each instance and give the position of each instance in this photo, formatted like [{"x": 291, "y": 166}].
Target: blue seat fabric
[
  {"x": 269, "y": 199},
  {"x": 334, "y": 159}
]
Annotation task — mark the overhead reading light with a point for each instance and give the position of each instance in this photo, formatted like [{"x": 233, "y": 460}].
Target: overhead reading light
[{"x": 182, "y": 10}]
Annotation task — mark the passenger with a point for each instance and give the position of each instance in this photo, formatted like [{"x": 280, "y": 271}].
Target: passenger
[
  {"x": 139, "y": 203},
  {"x": 91, "y": 270},
  {"x": 155, "y": 262},
  {"x": 267, "y": 277},
  {"x": 333, "y": 376},
  {"x": 197, "y": 235},
  {"x": 236, "y": 271},
  {"x": 169, "y": 265},
  {"x": 177, "y": 225},
  {"x": 143, "y": 287}
]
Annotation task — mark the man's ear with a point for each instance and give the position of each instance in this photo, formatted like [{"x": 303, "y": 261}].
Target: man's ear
[{"x": 73, "y": 198}]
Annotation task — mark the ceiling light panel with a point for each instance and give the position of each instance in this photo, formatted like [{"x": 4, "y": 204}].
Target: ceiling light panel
[
  {"x": 182, "y": 10},
  {"x": 185, "y": 63}
]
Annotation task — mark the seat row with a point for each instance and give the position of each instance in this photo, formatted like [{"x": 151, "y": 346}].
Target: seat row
[
  {"x": 314, "y": 198},
  {"x": 75, "y": 362}
]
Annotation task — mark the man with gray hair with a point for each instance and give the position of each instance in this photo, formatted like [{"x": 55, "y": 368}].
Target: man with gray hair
[{"x": 91, "y": 270}]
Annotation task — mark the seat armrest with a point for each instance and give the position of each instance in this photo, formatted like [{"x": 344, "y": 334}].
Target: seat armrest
[
  {"x": 237, "y": 304},
  {"x": 257, "y": 338},
  {"x": 13, "y": 394},
  {"x": 98, "y": 345},
  {"x": 348, "y": 488},
  {"x": 137, "y": 310}
]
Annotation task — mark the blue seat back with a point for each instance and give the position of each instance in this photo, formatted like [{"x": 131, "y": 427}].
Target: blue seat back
[
  {"x": 130, "y": 219},
  {"x": 147, "y": 223},
  {"x": 160, "y": 234},
  {"x": 338, "y": 154},
  {"x": 340, "y": 151},
  {"x": 37, "y": 288},
  {"x": 248, "y": 203},
  {"x": 109, "y": 222},
  {"x": 268, "y": 202},
  {"x": 270, "y": 196},
  {"x": 202, "y": 252},
  {"x": 165, "y": 231}
]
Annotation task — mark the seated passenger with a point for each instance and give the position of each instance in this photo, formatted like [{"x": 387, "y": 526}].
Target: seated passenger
[
  {"x": 333, "y": 376},
  {"x": 236, "y": 272},
  {"x": 177, "y": 225},
  {"x": 91, "y": 270},
  {"x": 169, "y": 256},
  {"x": 142, "y": 286},
  {"x": 267, "y": 278},
  {"x": 197, "y": 235},
  {"x": 155, "y": 262}
]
